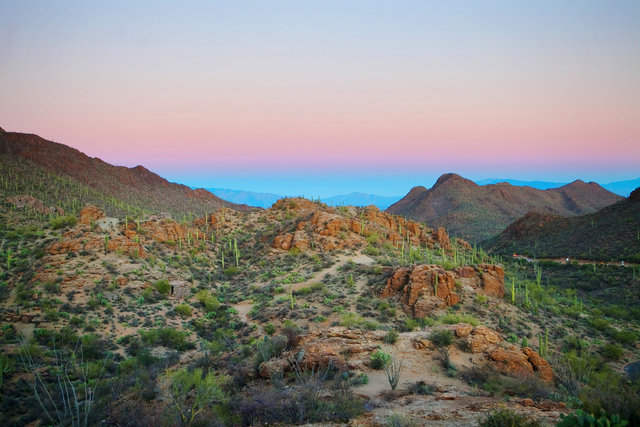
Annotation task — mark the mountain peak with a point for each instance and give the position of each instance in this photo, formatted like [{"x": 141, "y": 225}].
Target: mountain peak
[{"x": 452, "y": 179}]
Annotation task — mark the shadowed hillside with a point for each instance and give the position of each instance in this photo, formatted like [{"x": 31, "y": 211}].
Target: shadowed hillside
[
  {"x": 476, "y": 212},
  {"x": 63, "y": 176},
  {"x": 610, "y": 233}
]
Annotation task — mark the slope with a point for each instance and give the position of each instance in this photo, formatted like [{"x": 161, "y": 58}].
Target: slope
[
  {"x": 63, "y": 176},
  {"x": 610, "y": 233}
]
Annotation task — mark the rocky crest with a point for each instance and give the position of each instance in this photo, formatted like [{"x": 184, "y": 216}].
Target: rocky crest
[
  {"x": 325, "y": 228},
  {"x": 424, "y": 288}
]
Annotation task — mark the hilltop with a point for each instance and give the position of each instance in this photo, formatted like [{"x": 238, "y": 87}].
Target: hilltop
[
  {"x": 612, "y": 233},
  {"x": 63, "y": 176},
  {"x": 477, "y": 212}
]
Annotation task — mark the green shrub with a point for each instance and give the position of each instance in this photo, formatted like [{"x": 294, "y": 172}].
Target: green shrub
[
  {"x": 612, "y": 351},
  {"x": 63, "y": 221},
  {"x": 209, "y": 301},
  {"x": 582, "y": 419},
  {"x": 270, "y": 328},
  {"x": 507, "y": 418},
  {"x": 163, "y": 287},
  {"x": 391, "y": 337},
  {"x": 452, "y": 319},
  {"x": 379, "y": 359},
  {"x": 183, "y": 310},
  {"x": 441, "y": 338}
]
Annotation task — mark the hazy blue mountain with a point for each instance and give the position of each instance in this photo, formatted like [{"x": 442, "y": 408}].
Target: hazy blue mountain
[
  {"x": 251, "y": 198},
  {"x": 623, "y": 188},
  {"x": 265, "y": 200},
  {"x": 361, "y": 199}
]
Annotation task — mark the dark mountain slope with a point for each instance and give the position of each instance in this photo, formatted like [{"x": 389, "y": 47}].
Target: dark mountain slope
[
  {"x": 612, "y": 233},
  {"x": 40, "y": 164},
  {"x": 477, "y": 212}
]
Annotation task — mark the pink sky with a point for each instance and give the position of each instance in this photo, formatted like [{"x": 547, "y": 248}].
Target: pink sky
[{"x": 538, "y": 90}]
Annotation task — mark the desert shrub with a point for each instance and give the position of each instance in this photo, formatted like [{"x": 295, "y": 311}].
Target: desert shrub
[
  {"x": 63, "y": 221},
  {"x": 422, "y": 388},
  {"x": 399, "y": 420},
  {"x": 270, "y": 328},
  {"x": 625, "y": 336},
  {"x": 612, "y": 351},
  {"x": 452, "y": 319},
  {"x": 507, "y": 418},
  {"x": 441, "y": 337},
  {"x": 270, "y": 348},
  {"x": 379, "y": 359},
  {"x": 210, "y": 302},
  {"x": 183, "y": 310},
  {"x": 391, "y": 337},
  {"x": 608, "y": 392},
  {"x": 163, "y": 287},
  {"x": 582, "y": 419},
  {"x": 571, "y": 372},
  {"x": 167, "y": 337}
]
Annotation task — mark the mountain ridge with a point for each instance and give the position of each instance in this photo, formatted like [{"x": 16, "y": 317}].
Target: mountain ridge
[
  {"x": 477, "y": 212},
  {"x": 135, "y": 187}
]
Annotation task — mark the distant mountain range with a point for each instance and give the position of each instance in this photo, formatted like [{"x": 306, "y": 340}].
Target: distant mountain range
[
  {"x": 613, "y": 232},
  {"x": 478, "y": 212},
  {"x": 265, "y": 200},
  {"x": 63, "y": 176},
  {"x": 622, "y": 188}
]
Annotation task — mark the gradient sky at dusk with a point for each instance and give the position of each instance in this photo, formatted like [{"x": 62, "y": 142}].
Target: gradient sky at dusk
[{"x": 332, "y": 96}]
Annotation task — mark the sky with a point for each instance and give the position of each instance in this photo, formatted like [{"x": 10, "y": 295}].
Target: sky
[{"x": 330, "y": 97}]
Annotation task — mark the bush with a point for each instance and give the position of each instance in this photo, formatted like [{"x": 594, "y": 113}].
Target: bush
[
  {"x": 452, "y": 319},
  {"x": 167, "y": 337},
  {"x": 507, "y": 418},
  {"x": 163, "y": 287},
  {"x": 441, "y": 338},
  {"x": 421, "y": 388},
  {"x": 270, "y": 328},
  {"x": 63, "y": 221},
  {"x": 183, "y": 310},
  {"x": 379, "y": 359},
  {"x": 612, "y": 351},
  {"x": 391, "y": 337},
  {"x": 209, "y": 301},
  {"x": 582, "y": 419}
]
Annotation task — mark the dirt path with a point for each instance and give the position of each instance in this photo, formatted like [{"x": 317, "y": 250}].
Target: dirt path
[
  {"x": 342, "y": 260},
  {"x": 579, "y": 261}
]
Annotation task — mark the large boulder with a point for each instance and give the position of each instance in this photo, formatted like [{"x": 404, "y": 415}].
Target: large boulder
[
  {"x": 89, "y": 214},
  {"x": 422, "y": 288}
]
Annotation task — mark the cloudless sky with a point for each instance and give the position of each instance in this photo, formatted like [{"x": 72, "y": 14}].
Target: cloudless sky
[{"x": 333, "y": 96}]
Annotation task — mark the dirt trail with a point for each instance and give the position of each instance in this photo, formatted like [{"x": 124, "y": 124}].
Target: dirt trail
[
  {"x": 342, "y": 260},
  {"x": 578, "y": 261},
  {"x": 244, "y": 307}
]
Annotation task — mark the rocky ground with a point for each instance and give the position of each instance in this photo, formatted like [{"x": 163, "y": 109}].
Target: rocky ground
[{"x": 258, "y": 295}]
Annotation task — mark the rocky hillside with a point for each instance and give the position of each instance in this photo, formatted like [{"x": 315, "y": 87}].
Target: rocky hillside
[
  {"x": 477, "y": 212},
  {"x": 612, "y": 233},
  {"x": 63, "y": 176},
  {"x": 301, "y": 313}
]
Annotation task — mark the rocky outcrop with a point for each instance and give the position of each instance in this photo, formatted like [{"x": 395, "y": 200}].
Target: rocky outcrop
[
  {"x": 341, "y": 347},
  {"x": 164, "y": 230},
  {"x": 442, "y": 238},
  {"x": 326, "y": 228},
  {"x": 509, "y": 358},
  {"x": 74, "y": 241},
  {"x": 482, "y": 338},
  {"x": 89, "y": 214},
  {"x": 540, "y": 365},
  {"x": 423, "y": 288},
  {"x": 492, "y": 280},
  {"x": 30, "y": 202}
]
